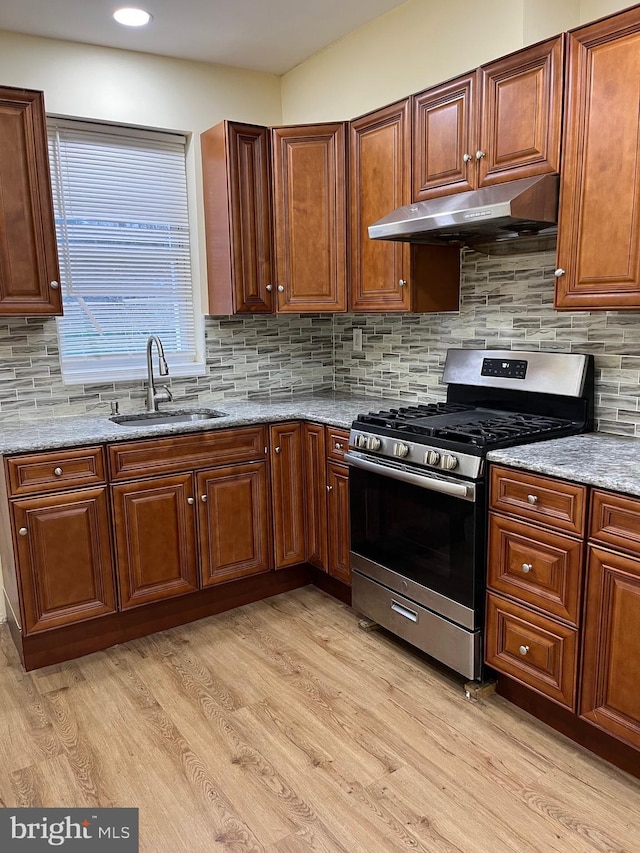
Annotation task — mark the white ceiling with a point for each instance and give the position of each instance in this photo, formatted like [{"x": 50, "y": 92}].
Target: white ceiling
[{"x": 265, "y": 35}]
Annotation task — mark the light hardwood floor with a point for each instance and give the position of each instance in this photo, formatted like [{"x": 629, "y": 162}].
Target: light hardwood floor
[{"x": 282, "y": 727}]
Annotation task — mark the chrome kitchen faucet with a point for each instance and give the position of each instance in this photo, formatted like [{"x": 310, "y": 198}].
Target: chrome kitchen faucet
[{"x": 164, "y": 395}]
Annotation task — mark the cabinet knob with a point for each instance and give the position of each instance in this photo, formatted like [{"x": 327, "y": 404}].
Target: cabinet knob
[
  {"x": 57, "y": 472},
  {"x": 559, "y": 272},
  {"x": 203, "y": 498},
  {"x": 54, "y": 285},
  {"x": 532, "y": 499},
  {"x": 467, "y": 158},
  {"x": 480, "y": 155},
  {"x": 281, "y": 288},
  {"x": 23, "y": 531},
  {"x": 191, "y": 500},
  {"x": 329, "y": 488},
  {"x": 339, "y": 446},
  {"x": 269, "y": 287},
  {"x": 526, "y": 568},
  {"x": 277, "y": 449},
  {"x": 402, "y": 282},
  {"x": 524, "y": 650}
]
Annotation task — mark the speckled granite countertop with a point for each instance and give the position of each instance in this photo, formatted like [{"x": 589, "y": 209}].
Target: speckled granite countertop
[
  {"x": 332, "y": 409},
  {"x": 595, "y": 459}
]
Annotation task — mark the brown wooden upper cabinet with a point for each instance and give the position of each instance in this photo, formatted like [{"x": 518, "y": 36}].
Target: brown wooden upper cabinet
[
  {"x": 385, "y": 275},
  {"x": 29, "y": 273},
  {"x": 499, "y": 123},
  {"x": 598, "y": 259},
  {"x": 309, "y": 202},
  {"x": 237, "y": 207}
]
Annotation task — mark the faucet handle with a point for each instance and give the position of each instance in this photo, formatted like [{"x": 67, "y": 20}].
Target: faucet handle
[{"x": 164, "y": 395}]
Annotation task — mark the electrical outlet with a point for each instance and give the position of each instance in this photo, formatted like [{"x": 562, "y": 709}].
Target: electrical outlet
[{"x": 357, "y": 340}]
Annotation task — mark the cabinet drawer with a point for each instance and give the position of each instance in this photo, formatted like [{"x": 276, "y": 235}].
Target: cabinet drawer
[
  {"x": 337, "y": 443},
  {"x": 539, "y": 652},
  {"x": 544, "y": 500},
  {"x": 134, "y": 459},
  {"x": 615, "y": 521},
  {"x": 55, "y": 471},
  {"x": 540, "y": 567}
]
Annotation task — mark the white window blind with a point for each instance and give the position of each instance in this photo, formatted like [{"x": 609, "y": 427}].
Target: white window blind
[{"x": 122, "y": 225}]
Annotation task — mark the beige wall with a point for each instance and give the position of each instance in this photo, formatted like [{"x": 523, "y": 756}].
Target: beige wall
[
  {"x": 136, "y": 88},
  {"x": 421, "y": 43}
]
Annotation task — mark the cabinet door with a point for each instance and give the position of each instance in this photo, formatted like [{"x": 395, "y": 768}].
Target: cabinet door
[
  {"x": 444, "y": 122},
  {"x": 380, "y": 181},
  {"x": 316, "y": 494},
  {"x": 287, "y": 490},
  {"x": 611, "y": 654},
  {"x": 521, "y": 114},
  {"x": 338, "y": 521},
  {"x": 236, "y": 183},
  {"x": 234, "y": 522},
  {"x": 29, "y": 272},
  {"x": 155, "y": 539},
  {"x": 310, "y": 217},
  {"x": 65, "y": 565},
  {"x": 598, "y": 255}
]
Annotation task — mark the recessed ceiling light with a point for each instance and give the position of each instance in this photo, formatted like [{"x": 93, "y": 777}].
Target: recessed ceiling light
[{"x": 132, "y": 17}]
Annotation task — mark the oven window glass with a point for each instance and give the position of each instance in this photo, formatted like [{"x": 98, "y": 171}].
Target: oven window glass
[{"x": 423, "y": 535}]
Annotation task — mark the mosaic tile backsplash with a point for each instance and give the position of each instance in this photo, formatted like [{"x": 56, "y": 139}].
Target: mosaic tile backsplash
[{"x": 506, "y": 303}]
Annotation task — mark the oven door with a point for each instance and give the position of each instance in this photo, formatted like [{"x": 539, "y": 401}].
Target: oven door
[
  {"x": 417, "y": 544},
  {"x": 420, "y": 534}
]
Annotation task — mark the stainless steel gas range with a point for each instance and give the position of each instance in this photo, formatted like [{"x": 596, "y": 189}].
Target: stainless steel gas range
[{"x": 418, "y": 492}]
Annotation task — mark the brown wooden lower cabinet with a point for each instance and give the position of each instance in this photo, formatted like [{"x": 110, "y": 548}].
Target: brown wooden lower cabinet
[
  {"x": 316, "y": 494},
  {"x": 155, "y": 538},
  {"x": 64, "y": 559},
  {"x": 234, "y": 522},
  {"x": 338, "y": 521},
  {"x": 287, "y": 490},
  {"x": 611, "y": 658},
  {"x": 327, "y": 484}
]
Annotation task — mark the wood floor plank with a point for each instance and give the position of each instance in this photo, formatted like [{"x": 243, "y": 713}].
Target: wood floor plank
[{"x": 280, "y": 727}]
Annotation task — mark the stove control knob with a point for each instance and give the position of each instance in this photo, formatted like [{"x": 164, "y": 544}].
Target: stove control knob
[
  {"x": 449, "y": 462},
  {"x": 360, "y": 440},
  {"x": 400, "y": 450},
  {"x": 431, "y": 457},
  {"x": 373, "y": 443}
]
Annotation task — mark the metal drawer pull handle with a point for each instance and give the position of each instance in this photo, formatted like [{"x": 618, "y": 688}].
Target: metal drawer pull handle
[
  {"x": 329, "y": 488},
  {"x": 23, "y": 531},
  {"x": 269, "y": 287},
  {"x": 467, "y": 158},
  {"x": 339, "y": 446},
  {"x": 532, "y": 499},
  {"x": 54, "y": 284},
  {"x": 191, "y": 500},
  {"x": 57, "y": 472},
  {"x": 411, "y": 615},
  {"x": 281, "y": 288},
  {"x": 559, "y": 272},
  {"x": 277, "y": 449},
  {"x": 402, "y": 282},
  {"x": 524, "y": 650},
  {"x": 526, "y": 568},
  {"x": 203, "y": 498}
]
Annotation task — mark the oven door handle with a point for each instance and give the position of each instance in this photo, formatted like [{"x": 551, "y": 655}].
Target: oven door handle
[{"x": 465, "y": 491}]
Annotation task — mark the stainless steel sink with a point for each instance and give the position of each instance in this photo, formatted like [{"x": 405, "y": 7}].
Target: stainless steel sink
[{"x": 176, "y": 417}]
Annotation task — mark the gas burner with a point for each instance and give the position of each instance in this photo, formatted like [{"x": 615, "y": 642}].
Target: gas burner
[
  {"x": 489, "y": 431},
  {"x": 402, "y": 417}
]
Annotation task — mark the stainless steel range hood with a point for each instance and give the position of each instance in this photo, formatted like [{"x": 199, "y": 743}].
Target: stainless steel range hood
[{"x": 514, "y": 217}]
